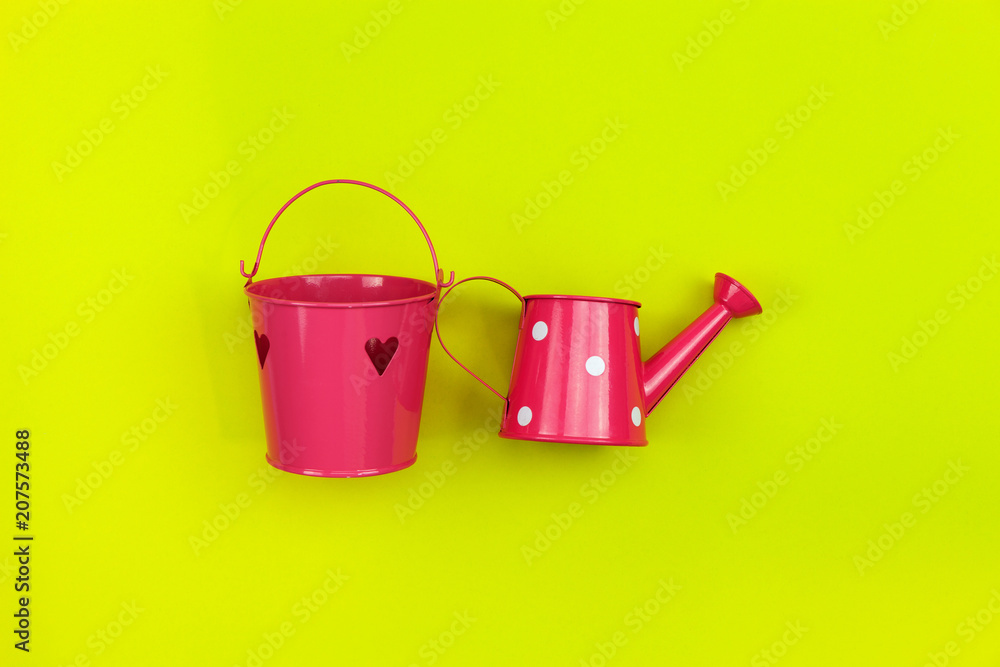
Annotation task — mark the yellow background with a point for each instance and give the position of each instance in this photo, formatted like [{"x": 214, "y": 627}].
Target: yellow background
[{"x": 893, "y": 77}]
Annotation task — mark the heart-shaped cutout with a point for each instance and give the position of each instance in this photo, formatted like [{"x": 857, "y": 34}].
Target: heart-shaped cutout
[
  {"x": 381, "y": 353},
  {"x": 263, "y": 345}
]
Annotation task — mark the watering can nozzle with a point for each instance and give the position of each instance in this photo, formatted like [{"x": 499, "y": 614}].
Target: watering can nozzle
[
  {"x": 661, "y": 371},
  {"x": 736, "y": 298}
]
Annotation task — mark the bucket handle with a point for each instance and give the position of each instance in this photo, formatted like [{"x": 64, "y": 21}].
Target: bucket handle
[
  {"x": 438, "y": 273},
  {"x": 437, "y": 326}
]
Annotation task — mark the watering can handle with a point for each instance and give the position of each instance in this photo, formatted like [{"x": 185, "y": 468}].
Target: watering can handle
[
  {"x": 437, "y": 326},
  {"x": 438, "y": 273}
]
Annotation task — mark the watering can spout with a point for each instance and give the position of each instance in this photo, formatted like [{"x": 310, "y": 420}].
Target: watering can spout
[{"x": 661, "y": 371}]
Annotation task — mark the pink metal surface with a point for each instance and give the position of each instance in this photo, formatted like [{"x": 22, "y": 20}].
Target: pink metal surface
[
  {"x": 578, "y": 375},
  {"x": 342, "y": 361}
]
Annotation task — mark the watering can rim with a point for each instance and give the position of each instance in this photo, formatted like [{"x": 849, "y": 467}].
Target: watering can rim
[
  {"x": 574, "y": 297},
  {"x": 429, "y": 296}
]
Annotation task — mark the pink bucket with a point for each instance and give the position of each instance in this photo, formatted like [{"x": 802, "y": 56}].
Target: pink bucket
[{"x": 342, "y": 361}]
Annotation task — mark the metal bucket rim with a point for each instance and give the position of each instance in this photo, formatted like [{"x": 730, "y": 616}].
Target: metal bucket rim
[{"x": 432, "y": 291}]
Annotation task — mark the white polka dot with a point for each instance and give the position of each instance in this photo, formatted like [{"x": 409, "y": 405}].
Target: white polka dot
[
  {"x": 524, "y": 416},
  {"x": 540, "y": 330},
  {"x": 636, "y": 416},
  {"x": 635, "y": 325},
  {"x": 595, "y": 366}
]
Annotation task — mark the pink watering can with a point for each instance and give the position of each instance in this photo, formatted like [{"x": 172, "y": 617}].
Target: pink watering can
[{"x": 577, "y": 374}]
